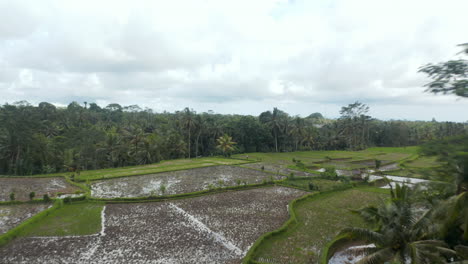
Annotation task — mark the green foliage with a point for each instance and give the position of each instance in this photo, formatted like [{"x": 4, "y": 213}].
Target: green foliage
[
  {"x": 300, "y": 165},
  {"x": 46, "y": 198},
  {"x": 12, "y": 196},
  {"x": 18, "y": 230},
  {"x": 73, "y": 219},
  {"x": 378, "y": 163},
  {"x": 162, "y": 189},
  {"x": 296, "y": 241},
  {"x": 76, "y": 139},
  {"x": 330, "y": 173},
  {"x": 452, "y": 153},
  {"x": 226, "y": 145},
  {"x": 402, "y": 233},
  {"x": 67, "y": 200},
  {"x": 448, "y": 77},
  {"x": 32, "y": 195}
]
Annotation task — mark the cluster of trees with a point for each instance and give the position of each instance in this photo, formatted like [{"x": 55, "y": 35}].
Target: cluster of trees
[{"x": 47, "y": 139}]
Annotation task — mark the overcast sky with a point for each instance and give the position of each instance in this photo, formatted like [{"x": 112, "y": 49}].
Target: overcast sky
[{"x": 242, "y": 56}]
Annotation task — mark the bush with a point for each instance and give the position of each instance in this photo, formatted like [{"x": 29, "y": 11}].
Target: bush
[
  {"x": 291, "y": 176},
  {"x": 162, "y": 188},
  {"x": 263, "y": 168},
  {"x": 378, "y": 163},
  {"x": 32, "y": 195},
  {"x": 67, "y": 199},
  {"x": 330, "y": 173},
  {"x": 311, "y": 186},
  {"x": 12, "y": 196},
  {"x": 300, "y": 165},
  {"x": 46, "y": 198}
]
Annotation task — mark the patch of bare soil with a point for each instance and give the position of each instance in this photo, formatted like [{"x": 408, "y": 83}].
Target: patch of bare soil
[
  {"x": 23, "y": 186},
  {"x": 219, "y": 228}
]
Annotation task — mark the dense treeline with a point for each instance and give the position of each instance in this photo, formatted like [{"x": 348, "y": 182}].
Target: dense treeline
[{"x": 46, "y": 139}]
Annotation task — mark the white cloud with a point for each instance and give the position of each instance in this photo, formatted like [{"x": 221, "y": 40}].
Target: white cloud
[{"x": 231, "y": 56}]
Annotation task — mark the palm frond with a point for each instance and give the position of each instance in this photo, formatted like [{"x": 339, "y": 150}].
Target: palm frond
[
  {"x": 378, "y": 257},
  {"x": 365, "y": 235}
]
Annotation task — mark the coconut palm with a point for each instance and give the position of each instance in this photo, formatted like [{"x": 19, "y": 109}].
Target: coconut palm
[
  {"x": 403, "y": 234},
  {"x": 225, "y": 144},
  {"x": 189, "y": 123}
]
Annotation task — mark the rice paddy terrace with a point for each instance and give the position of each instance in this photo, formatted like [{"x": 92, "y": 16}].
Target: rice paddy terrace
[{"x": 252, "y": 208}]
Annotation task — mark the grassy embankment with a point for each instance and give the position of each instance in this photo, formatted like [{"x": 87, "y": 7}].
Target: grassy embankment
[
  {"x": 81, "y": 218},
  {"x": 319, "y": 219},
  {"x": 164, "y": 166}
]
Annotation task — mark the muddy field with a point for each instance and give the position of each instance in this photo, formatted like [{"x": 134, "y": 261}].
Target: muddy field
[
  {"x": 23, "y": 186},
  {"x": 217, "y": 228},
  {"x": 13, "y": 215},
  {"x": 177, "y": 182},
  {"x": 277, "y": 168}
]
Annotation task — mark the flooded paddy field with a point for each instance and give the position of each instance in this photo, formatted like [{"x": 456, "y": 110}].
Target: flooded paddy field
[
  {"x": 13, "y": 215},
  {"x": 177, "y": 182},
  {"x": 21, "y": 187}
]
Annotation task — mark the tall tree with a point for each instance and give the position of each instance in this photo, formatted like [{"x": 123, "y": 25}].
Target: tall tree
[{"x": 189, "y": 123}]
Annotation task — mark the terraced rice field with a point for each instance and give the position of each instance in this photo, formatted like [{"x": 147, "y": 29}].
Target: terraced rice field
[
  {"x": 217, "y": 228},
  {"x": 320, "y": 218},
  {"x": 13, "y": 215},
  {"x": 23, "y": 186},
  {"x": 177, "y": 182}
]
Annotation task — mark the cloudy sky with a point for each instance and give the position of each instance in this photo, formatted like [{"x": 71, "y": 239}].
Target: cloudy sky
[{"x": 242, "y": 56}]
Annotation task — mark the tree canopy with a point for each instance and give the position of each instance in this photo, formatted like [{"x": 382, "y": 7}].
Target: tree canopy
[{"x": 46, "y": 139}]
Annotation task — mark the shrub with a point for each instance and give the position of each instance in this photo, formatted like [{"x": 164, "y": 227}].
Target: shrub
[
  {"x": 67, "y": 199},
  {"x": 300, "y": 165},
  {"x": 263, "y": 168},
  {"x": 46, "y": 198},
  {"x": 330, "y": 173},
  {"x": 291, "y": 176},
  {"x": 162, "y": 188},
  {"x": 220, "y": 183},
  {"x": 311, "y": 186},
  {"x": 294, "y": 160},
  {"x": 12, "y": 196},
  {"x": 378, "y": 163},
  {"x": 238, "y": 181},
  {"x": 32, "y": 195}
]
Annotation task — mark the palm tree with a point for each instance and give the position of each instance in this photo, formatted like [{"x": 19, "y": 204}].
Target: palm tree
[
  {"x": 189, "y": 123},
  {"x": 403, "y": 233},
  {"x": 275, "y": 125},
  {"x": 297, "y": 131},
  {"x": 225, "y": 144}
]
